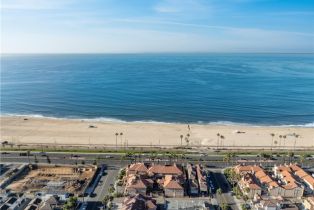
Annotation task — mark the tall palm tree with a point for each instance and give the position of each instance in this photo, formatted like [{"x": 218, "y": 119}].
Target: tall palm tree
[
  {"x": 187, "y": 141},
  {"x": 295, "y": 141},
  {"x": 275, "y": 142},
  {"x": 218, "y": 138},
  {"x": 221, "y": 141},
  {"x": 181, "y": 137},
  {"x": 302, "y": 159},
  {"x": 121, "y": 134},
  {"x": 117, "y": 134},
  {"x": 227, "y": 158},
  {"x": 233, "y": 157},
  {"x": 280, "y": 137},
  {"x": 284, "y": 140},
  {"x": 28, "y": 153},
  {"x": 272, "y": 141}
]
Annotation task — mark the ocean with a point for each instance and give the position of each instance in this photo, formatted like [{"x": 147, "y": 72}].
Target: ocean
[{"x": 255, "y": 89}]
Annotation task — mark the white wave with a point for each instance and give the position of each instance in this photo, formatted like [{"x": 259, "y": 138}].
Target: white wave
[
  {"x": 115, "y": 120},
  {"x": 307, "y": 125}
]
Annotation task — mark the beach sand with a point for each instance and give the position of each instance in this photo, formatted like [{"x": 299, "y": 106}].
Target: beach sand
[{"x": 76, "y": 132}]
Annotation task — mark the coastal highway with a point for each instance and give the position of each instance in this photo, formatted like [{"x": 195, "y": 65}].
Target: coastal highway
[{"x": 119, "y": 159}]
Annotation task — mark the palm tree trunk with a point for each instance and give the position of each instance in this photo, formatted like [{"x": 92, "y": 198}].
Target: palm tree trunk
[{"x": 116, "y": 142}]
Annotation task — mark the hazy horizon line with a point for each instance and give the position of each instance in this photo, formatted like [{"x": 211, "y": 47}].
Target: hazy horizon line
[{"x": 117, "y": 53}]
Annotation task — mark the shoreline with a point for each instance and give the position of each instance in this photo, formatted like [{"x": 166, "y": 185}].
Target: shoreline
[
  {"x": 115, "y": 120},
  {"x": 69, "y": 132}
]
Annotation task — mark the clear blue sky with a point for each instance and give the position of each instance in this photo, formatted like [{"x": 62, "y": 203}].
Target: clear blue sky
[{"x": 127, "y": 26}]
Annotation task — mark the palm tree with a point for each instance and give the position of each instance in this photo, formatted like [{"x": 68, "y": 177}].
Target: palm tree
[
  {"x": 284, "y": 140},
  {"x": 272, "y": 141},
  {"x": 275, "y": 142},
  {"x": 218, "y": 137},
  {"x": 233, "y": 156},
  {"x": 181, "y": 137},
  {"x": 121, "y": 134},
  {"x": 48, "y": 160},
  {"x": 302, "y": 159},
  {"x": 222, "y": 139},
  {"x": 295, "y": 141},
  {"x": 280, "y": 137},
  {"x": 117, "y": 140},
  {"x": 187, "y": 141},
  {"x": 28, "y": 153},
  {"x": 227, "y": 158},
  {"x": 291, "y": 155},
  {"x": 183, "y": 157}
]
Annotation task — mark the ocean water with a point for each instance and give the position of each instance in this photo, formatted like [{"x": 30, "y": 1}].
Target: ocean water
[{"x": 258, "y": 89}]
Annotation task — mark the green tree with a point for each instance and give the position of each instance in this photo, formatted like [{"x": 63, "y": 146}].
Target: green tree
[
  {"x": 219, "y": 191},
  {"x": 70, "y": 203},
  {"x": 290, "y": 155},
  {"x": 181, "y": 137},
  {"x": 218, "y": 138},
  {"x": 106, "y": 200},
  {"x": 48, "y": 160},
  {"x": 117, "y": 134},
  {"x": 295, "y": 141},
  {"x": 224, "y": 206},
  {"x": 284, "y": 140},
  {"x": 95, "y": 162},
  {"x": 243, "y": 206},
  {"x": 28, "y": 154},
  {"x": 227, "y": 158},
  {"x": 222, "y": 138},
  {"x": 302, "y": 158},
  {"x": 272, "y": 140},
  {"x": 121, "y": 134},
  {"x": 280, "y": 138}
]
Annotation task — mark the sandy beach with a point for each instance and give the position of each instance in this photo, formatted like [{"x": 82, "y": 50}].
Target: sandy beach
[{"x": 76, "y": 132}]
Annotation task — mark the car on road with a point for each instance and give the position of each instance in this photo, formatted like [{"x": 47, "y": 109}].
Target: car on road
[
  {"x": 108, "y": 156},
  {"x": 4, "y": 153},
  {"x": 43, "y": 154},
  {"x": 82, "y": 206}
]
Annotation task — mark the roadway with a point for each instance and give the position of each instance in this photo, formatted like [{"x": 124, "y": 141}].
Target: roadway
[
  {"x": 119, "y": 159},
  {"x": 106, "y": 181},
  {"x": 225, "y": 197}
]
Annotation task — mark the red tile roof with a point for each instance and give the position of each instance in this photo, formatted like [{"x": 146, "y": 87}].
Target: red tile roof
[
  {"x": 138, "y": 202},
  {"x": 166, "y": 170},
  {"x": 170, "y": 183},
  {"x": 138, "y": 167},
  {"x": 310, "y": 180}
]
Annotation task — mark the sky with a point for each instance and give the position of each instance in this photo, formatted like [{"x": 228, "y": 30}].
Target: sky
[{"x": 144, "y": 26}]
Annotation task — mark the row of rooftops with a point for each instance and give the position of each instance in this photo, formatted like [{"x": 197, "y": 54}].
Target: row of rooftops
[
  {"x": 286, "y": 173},
  {"x": 140, "y": 176},
  {"x": 154, "y": 169},
  {"x": 138, "y": 201},
  {"x": 167, "y": 182},
  {"x": 14, "y": 201}
]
